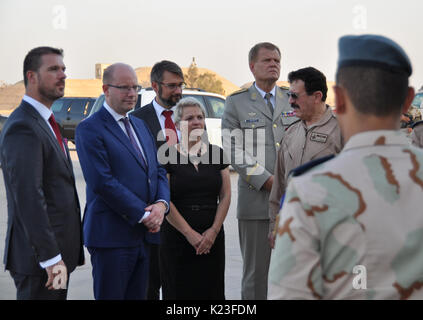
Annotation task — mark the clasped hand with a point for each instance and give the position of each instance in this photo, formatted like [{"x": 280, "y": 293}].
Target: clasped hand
[
  {"x": 155, "y": 219},
  {"x": 202, "y": 243}
]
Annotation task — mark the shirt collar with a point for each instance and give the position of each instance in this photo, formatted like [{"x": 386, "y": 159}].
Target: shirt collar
[
  {"x": 327, "y": 115},
  {"x": 262, "y": 93},
  {"x": 114, "y": 114},
  {"x": 376, "y": 137},
  {"x": 41, "y": 108},
  {"x": 159, "y": 109}
]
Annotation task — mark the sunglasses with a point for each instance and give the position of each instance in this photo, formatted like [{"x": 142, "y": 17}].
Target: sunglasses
[{"x": 294, "y": 95}]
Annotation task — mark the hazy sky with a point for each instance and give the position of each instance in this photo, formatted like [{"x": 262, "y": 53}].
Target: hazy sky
[{"x": 218, "y": 33}]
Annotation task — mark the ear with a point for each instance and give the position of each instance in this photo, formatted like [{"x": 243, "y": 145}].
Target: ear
[
  {"x": 105, "y": 90},
  {"x": 339, "y": 99},
  {"x": 318, "y": 96},
  {"x": 408, "y": 100},
  {"x": 30, "y": 76},
  {"x": 155, "y": 86},
  {"x": 252, "y": 67}
]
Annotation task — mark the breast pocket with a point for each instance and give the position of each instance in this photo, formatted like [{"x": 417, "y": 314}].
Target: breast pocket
[
  {"x": 286, "y": 121},
  {"x": 254, "y": 131},
  {"x": 253, "y": 123}
]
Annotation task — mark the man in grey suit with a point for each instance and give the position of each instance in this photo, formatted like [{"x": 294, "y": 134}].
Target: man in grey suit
[
  {"x": 44, "y": 238},
  {"x": 253, "y": 125}
]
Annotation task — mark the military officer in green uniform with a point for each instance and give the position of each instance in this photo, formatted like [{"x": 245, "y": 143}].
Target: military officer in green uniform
[{"x": 253, "y": 124}]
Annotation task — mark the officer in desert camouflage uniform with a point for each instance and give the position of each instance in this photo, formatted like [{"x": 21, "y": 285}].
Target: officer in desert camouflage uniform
[
  {"x": 316, "y": 134},
  {"x": 354, "y": 216}
]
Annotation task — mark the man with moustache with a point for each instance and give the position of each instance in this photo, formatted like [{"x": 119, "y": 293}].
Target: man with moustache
[
  {"x": 44, "y": 236},
  {"x": 256, "y": 118},
  {"x": 316, "y": 134},
  {"x": 127, "y": 189},
  {"x": 349, "y": 228},
  {"x": 167, "y": 80}
]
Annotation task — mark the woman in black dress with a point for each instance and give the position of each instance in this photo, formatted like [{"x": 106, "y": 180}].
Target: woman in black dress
[{"x": 192, "y": 250}]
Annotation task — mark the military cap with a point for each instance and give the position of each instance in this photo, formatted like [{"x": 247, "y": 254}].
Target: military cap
[{"x": 373, "y": 51}]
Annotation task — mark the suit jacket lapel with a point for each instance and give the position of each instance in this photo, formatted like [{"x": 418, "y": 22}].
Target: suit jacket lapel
[
  {"x": 142, "y": 143},
  {"x": 117, "y": 131},
  {"x": 52, "y": 138},
  {"x": 154, "y": 124},
  {"x": 259, "y": 102}
]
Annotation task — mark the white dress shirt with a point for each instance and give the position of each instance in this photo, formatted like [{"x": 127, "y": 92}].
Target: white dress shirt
[
  {"x": 272, "y": 92},
  {"x": 118, "y": 117},
  {"x": 159, "y": 109},
  {"x": 44, "y": 112}
]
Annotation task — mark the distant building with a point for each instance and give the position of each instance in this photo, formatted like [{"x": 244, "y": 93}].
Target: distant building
[
  {"x": 99, "y": 69},
  {"x": 11, "y": 95}
]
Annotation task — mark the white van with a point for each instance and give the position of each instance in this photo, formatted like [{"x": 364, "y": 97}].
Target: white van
[{"x": 214, "y": 104}]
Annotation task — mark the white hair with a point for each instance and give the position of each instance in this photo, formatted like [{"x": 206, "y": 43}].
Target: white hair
[{"x": 187, "y": 102}]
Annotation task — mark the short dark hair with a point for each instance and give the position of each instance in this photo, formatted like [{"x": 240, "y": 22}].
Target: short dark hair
[
  {"x": 159, "y": 68},
  {"x": 252, "y": 55},
  {"x": 374, "y": 91},
  {"x": 314, "y": 80},
  {"x": 32, "y": 61}
]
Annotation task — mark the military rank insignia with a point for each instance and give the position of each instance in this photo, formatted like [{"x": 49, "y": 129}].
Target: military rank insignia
[{"x": 287, "y": 114}]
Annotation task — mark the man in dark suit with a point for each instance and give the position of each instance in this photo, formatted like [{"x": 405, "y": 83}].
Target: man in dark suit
[
  {"x": 127, "y": 189},
  {"x": 167, "y": 80},
  {"x": 44, "y": 236}
]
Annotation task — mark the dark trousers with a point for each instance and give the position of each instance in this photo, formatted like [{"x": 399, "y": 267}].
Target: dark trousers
[
  {"x": 120, "y": 273},
  {"x": 154, "y": 281},
  {"x": 32, "y": 287}
]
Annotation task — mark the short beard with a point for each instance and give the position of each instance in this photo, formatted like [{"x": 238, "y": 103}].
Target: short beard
[
  {"x": 169, "y": 102},
  {"x": 48, "y": 94}
]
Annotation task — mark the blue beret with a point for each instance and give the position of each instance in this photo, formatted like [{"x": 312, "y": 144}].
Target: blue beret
[{"x": 373, "y": 51}]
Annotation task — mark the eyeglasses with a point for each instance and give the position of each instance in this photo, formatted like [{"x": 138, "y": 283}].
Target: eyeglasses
[
  {"x": 173, "y": 86},
  {"x": 294, "y": 95},
  {"x": 126, "y": 88}
]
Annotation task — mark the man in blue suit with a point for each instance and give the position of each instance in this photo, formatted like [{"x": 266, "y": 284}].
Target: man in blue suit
[{"x": 125, "y": 206}]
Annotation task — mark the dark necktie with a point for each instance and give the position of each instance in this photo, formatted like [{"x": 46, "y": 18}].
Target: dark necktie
[
  {"x": 56, "y": 130},
  {"x": 268, "y": 96},
  {"x": 133, "y": 141},
  {"x": 171, "y": 138}
]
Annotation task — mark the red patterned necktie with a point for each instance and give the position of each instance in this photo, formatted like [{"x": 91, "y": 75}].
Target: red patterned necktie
[
  {"x": 171, "y": 138},
  {"x": 56, "y": 130}
]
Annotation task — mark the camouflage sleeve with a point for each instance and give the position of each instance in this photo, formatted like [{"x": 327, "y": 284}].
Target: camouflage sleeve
[
  {"x": 233, "y": 145},
  {"x": 295, "y": 268}
]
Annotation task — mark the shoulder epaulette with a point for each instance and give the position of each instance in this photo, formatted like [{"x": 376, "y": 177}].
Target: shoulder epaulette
[
  {"x": 284, "y": 87},
  {"x": 417, "y": 123},
  {"x": 238, "y": 92},
  {"x": 309, "y": 165}
]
